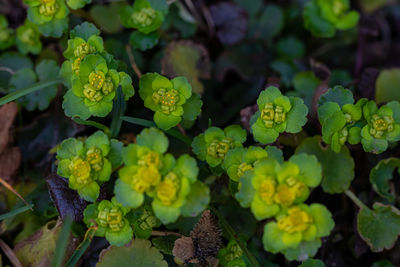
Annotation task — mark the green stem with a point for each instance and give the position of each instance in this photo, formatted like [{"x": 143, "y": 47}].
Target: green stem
[
  {"x": 232, "y": 234},
  {"x": 355, "y": 199},
  {"x": 94, "y": 124},
  {"x": 27, "y": 90}
]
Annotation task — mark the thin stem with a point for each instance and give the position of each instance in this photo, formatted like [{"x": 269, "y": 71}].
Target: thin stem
[
  {"x": 180, "y": 128},
  {"x": 161, "y": 233},
  {"x": 355, "y": 199},
  {"x": 132, "y": 61},
  {"x": 7, "y": 70},
  {"x": 30, "y": 89},
  {"x": 9, "y": 187},
  {"x": 232, "y": 234},
  {"x": 10, "y": 254}
]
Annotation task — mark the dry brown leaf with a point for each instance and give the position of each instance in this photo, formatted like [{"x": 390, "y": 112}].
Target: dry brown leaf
[
  {"x": 8, "y": 112},
  {"x": 38, "y": 249},
  {"x": 10, "y": 160}
]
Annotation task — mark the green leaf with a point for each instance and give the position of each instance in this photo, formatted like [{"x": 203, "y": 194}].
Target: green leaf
[
  {"x": 387, "y": 85},
  {"x": 192, "y": 107},
  {"x": 54, "y": 28},
  {"x": 115, "y": 155},
  {"x": 312, "y": 263},
  {"x": 153, "y": 139},
  {"x": 381, "y": 174},
  {"x": 305, "y": 250},
  {"x": 127, "y": 196},
  {"x": 165, "y": 243},
  {"x": 334, "y": 179},
  {"x": 13, "y": 61},
  {"x": 315, "y": 23},
  {"x": 379, "y": 227},
  {"x": 268, "y": 25},
  {"x": 197, "y": 200},
  {"x": 84, "y": 30},
  {"x": 144, "y": 41},
  {"x": 106, "y": 17},
  {"x": 251, "y": 7},
  {"x": 138, "y": 253},
  {"x": 290, "y": 48},
  {"x": 76, "y": 4},
  {"x": 305, "y": 84},
  {"x": 382, "y": 263},
  {"x": 188, "y": 59},
  {"x": 337, "y": 94},
  {"x": 75, "y": 106},
  {"x": 297, "y": 116}
]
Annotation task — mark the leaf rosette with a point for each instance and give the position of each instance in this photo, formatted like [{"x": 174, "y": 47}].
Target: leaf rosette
[
  {"x": 341, "y": 121},
  {"x": 51, "y": 16},
  {"x": 296, "y": 227},
  {"x": 142, "y": 16},
  {"x": 171, "y": 100},
  {"x": 277, "y": 114},
  {"x": 213, "y": 145},
  {"x": 28, "y": 38},
  {"x": 110, "y": 219},
  {"x": 94, "y": 88},
  {"x": 272, "y": 187},
  {"x": 323, "y": 17},
  {"x": 86, "y": 164},
  {"x": 383, "y": 126},
  {"x": 239, "y": 160}
]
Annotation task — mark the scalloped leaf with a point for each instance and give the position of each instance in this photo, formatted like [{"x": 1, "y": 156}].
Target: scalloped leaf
[
  {"x": 138, "y": 253},
  {"x": 387, "y": 86},
  {"x": 337, "y": 94},
  {"x": 381, "y": 174},
  {"x": 144, "y": 41},
  {"x": 185, "y": 58},
  {"x": 379, "y": 227},
  {"x": 334, "y": 179},
  {"x": 197, "y": 200}
]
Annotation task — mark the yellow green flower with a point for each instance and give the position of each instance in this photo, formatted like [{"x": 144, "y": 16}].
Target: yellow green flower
[
  {"x": 51, "y": 16},
  {"x": 145, "y": 164},
  {"x": 213, "y": 145},
  {"x": 272, "y": 186},
  {"x": 142, "y": 16},
  {"x": 383, "y": 126},
  {"x": 28, "y": 38},
  {"x": 111, "y": 222},
  {"x": 277, "y": 114},
  {"x": 87, "y": 164},
  {"x": 298, "y": 226},
  {"x": 239, "y": 160}
]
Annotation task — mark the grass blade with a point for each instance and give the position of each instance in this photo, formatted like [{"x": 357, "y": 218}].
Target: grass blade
[
  {"x": 145, "y": 123},
  {"x": 27, "y": 90},
  {"x": 82, "y": 247},
  {"x": 62, "y": 242},
  {"x": 94, "y": 124},
  {"x": 118, "y": 111},
  {"x": 15, "y": 212}
]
